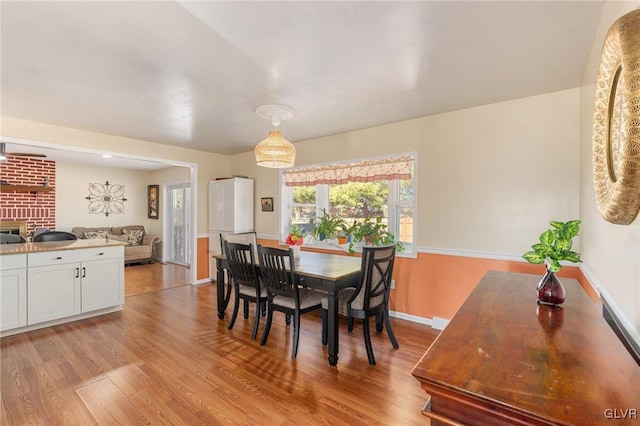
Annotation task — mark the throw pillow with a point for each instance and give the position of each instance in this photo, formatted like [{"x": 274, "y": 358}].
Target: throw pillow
[
  {"x": 134, "y": 236},
  {"x": 100, "y": 233},
  {"x": 120, "y": 238}
]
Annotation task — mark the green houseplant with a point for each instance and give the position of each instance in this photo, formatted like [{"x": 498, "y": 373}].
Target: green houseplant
[
  {"x": 328, "y": 226},
  {"x": 371, "y": 232},
  {"x": 554, "y": 246}
]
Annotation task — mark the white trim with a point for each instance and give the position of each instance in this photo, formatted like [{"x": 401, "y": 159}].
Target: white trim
[
  {"x": 619, "y": 314},
  {"x": 436, "y": 323},
  {"x": 412, "y": 318},
  {"x": 204, "y": 281},
  {"x": 462, "y": 253}
]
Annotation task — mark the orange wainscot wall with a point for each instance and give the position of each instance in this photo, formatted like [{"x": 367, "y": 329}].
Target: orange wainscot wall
[{"x": 435, "y": 285}]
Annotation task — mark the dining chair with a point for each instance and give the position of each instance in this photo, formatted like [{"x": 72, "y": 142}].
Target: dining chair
[
  {"x": 247, "y": 284},
  {"x": 11, "y": 239},
  {"x": 284, "y": 294},
  {"x": 369, "y": 298},
  {"x": 54, "y": 236},
  {"x": 241, "y": 238}
]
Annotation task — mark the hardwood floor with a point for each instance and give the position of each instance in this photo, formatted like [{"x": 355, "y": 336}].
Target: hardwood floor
[
  {"x": 166, "y": 358},
  {"x": 146, "y": 278}
]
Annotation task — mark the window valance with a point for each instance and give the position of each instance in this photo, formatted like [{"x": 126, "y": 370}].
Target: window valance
[{"x": 364, "y": 171}]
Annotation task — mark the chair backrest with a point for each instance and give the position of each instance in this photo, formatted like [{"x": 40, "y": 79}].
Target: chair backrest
[
  {"x": 279, "y": 271},
  {"x": 54, "y": 236},
  {"x": 242, "y": 263},
  {"x": 241, "y": 238},
  {"x": 376, "y": 270},
  {"x": 11, "y": 239}
]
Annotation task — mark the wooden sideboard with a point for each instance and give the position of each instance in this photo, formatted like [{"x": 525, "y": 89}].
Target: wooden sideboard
[{"x": 504, "y": 360}]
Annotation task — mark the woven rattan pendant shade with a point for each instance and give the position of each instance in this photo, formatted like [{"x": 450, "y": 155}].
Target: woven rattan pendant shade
[{"x": 275, "y": 151}]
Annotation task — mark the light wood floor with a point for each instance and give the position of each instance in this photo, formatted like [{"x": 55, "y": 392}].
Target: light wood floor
[{"x": 166, "y": 358}]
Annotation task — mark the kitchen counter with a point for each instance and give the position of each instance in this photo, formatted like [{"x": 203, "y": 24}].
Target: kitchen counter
[
  {"x": 57, "y": 245},
  {"x": 49, "y": 283}
]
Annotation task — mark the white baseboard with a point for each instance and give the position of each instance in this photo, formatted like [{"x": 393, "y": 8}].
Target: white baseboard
[{"x": 436, "y": 323}]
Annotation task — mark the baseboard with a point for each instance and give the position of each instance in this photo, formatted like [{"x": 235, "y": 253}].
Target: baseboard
[{"x": 436, "y": 323}]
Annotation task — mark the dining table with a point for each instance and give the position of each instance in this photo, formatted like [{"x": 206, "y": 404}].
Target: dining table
[{"x": 322, "y": 271}]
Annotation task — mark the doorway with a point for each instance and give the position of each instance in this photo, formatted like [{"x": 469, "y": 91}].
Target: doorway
[{"x": 178, "y": 223}]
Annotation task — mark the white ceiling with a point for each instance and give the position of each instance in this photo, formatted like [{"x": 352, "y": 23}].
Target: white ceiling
[{"x": 191, "y": 73}]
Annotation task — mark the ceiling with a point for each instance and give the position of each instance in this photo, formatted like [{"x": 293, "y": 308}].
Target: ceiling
[{"x": 191, "y": 74}]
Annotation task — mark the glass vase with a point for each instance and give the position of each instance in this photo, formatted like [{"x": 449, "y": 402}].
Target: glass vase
[{"x": 550, "y": 290}]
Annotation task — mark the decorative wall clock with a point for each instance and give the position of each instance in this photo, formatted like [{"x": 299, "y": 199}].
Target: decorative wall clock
[
  {"x": 106, "y": 198},
  {"x": 616, "y": 122}
]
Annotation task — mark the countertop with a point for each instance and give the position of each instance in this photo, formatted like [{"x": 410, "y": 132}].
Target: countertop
[{"x": 57, "y": 245}]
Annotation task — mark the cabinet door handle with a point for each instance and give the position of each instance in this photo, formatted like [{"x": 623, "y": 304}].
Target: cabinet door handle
[
  {"x": 101, "y": 254},
  {"x": 84, "y": 272},
  {"x": 77, "y": 272},
  {"x": 59, "y": 258}
]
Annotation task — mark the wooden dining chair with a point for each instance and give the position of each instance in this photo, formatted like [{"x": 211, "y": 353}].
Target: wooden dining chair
[
  {"x": 240, "y": 238},
  {"x": 283, "y": 292},
  {"x": 247, "y": 284},
  {"x": 370, "y": 298}
]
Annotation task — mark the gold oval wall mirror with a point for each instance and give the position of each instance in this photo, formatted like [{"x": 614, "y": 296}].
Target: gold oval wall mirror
[{"x": 616, "y": 123}]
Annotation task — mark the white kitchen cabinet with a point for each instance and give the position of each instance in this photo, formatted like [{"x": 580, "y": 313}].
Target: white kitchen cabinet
[
  {"x": 13, "y": 291},
  {"x": 64, "y": 283},
  {"x": 101, "y": 284},
  {"x": 231, "y": 205},
  {"x": 54, "y": 292}
]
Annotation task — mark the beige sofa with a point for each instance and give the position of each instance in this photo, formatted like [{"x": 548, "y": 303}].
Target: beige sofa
[{"x": 136, "y": 250}]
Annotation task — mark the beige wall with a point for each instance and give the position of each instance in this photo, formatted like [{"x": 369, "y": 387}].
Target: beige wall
[
  {"x": 209, "y": 165},
  {"x": 611, "y": 253},
  {"x": 489, "y": 178},
  {"x": 73, "y": 183}
]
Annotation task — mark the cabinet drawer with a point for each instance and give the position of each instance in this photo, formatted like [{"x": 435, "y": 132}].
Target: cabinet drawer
[
  {"x": 59, "y": 257},
  {"x": 13, "y": 261}
]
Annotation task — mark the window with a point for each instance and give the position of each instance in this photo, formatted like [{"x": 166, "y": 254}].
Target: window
[{"x": 368, "y": 188}]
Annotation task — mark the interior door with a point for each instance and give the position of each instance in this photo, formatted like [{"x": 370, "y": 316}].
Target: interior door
[{"x": 179, "y": 223}]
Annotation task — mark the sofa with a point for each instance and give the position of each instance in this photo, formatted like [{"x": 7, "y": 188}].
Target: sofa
[{"x": 140, "y": 246}]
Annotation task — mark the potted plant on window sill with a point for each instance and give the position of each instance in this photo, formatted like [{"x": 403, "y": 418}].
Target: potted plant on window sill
[
  {"x": 372, "y": 233},
  {"x": 328, "y": 226},
  {"x": 554, "y": 246}
]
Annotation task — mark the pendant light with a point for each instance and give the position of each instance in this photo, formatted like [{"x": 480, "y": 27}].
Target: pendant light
[{"x": 275, "y": 151}]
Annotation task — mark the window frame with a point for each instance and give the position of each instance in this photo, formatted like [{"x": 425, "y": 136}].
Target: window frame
[{"x": 322, "y": 201}]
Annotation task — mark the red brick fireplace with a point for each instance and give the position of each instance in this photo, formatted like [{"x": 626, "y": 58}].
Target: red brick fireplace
[{"x": 23, "y": 198}]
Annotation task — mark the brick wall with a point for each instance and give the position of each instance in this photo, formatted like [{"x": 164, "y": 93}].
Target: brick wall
[{"x": 38, "y": 209}]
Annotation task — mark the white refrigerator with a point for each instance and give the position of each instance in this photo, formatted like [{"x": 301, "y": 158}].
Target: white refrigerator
[{"x": 230, "y": 210}]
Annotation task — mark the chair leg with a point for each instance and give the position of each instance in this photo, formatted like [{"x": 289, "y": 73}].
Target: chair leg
[
  {"x": 287, "y": 319},
  {"x": 246, "y": 309},
  {"x": 392, "y": 336},
  {"x": 267, "y": 326},
  {"x": 263, "y": 308},
  {"x": 325, "y": 319},
  {"x": 350, "y": 324},
  {"x": 236, "y": 305},
  {"x": 379, "y": 322},
  {"x": 256, "y": 322},
  {"x": 367, "y": 341},
  {"x": 296, "y": 334}
]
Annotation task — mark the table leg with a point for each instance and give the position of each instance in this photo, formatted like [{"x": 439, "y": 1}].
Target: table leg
[
  {"x": 220, "y": 291},
  {"x": 332, "y": 327}
]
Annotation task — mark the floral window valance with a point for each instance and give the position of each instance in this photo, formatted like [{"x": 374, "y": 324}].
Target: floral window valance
[{"x": 364, "y": 171}]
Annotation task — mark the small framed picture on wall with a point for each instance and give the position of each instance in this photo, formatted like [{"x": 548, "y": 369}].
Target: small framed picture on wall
[
  {"x": 153, "y": 199},
  {"x": 267, "y": 204}
]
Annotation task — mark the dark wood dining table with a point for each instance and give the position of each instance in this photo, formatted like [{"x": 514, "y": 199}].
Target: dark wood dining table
[{"x": 327, "y": 272}]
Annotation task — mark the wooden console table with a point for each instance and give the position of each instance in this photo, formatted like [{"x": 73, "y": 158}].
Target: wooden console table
[{"x": 504, "y": 360}]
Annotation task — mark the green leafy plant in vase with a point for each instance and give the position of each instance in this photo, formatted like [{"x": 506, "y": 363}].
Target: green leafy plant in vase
[
  {"x": 554, "y": 247},
  {"x": 328, "y": 226},
  {"x": 373, "y": 233}
]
